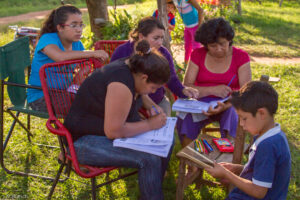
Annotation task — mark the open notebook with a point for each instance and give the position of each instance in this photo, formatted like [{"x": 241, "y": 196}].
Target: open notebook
[
  {"x": 157, "y": 142},
  {"x": 194, "y": 106}
]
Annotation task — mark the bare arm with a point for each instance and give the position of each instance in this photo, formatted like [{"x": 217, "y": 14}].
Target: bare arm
[
  {"x": 117, "y": 106},
  {"x": 219, "y": 171},
  {"x": 244, "y": 73},
  {"x": 56, "y": 54},
  {"x": 199, "y": 9},
  {"x": 190, "y": 78}
]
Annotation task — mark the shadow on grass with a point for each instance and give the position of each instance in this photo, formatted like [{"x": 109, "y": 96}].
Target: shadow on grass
[{"x": 272, "y": 28}]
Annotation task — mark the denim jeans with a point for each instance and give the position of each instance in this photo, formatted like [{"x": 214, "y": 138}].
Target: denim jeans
[{"x": 99, "y": 151}]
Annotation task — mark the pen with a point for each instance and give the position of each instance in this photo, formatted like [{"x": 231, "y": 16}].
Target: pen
[
  {"x": 199, "y": 147},
  {"x": 231, "y": 80},
  {"x": 155, "y": 109},
  {"x": 205, "y": 149},
  {"x": 195, "y": 147},
  {"x": 207, "y": 145}
]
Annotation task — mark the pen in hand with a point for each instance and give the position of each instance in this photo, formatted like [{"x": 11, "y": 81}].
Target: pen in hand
[
  {"x": 231, "y": 80},
  {"x": 156, "y": 111}
]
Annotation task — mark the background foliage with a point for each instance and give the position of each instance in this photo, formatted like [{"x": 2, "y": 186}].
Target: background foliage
[{"x": 263, "y": 29}]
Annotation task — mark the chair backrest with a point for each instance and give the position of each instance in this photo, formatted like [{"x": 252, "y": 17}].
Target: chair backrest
[
  {"x": 109, "y": 46},
  {"x": 60, "y": 82},
  {"x": 14, "y": 58}
]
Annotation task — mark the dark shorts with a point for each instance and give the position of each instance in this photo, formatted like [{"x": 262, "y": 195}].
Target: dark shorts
[{"x": 39, "y": 105}]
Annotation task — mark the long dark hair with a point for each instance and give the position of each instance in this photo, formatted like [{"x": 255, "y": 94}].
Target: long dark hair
[
  {"x": 150, "y": 62},
  {"x": 145, "y": 26},
  {"x": 58, "y": 16}
]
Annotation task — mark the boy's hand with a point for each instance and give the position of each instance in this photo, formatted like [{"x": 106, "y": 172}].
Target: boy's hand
[{"x": 218, "y": 171}]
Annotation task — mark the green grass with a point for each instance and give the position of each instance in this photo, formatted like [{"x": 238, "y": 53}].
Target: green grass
[
  {"x": 25, "y": 156},
  {"x": 257, "y": 33},
  {"x": 268, "y": 30},
  {"x": 17, "y": 7}
]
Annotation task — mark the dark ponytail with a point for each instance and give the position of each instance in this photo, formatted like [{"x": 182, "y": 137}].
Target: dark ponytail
[
  {"x": 58, "y": 16},
  {"x": 150, "y": 62}
]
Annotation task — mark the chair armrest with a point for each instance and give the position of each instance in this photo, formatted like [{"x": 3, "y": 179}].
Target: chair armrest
[
  {"x": 22, "y": 85},
  {"x": 58, "y": 128}
]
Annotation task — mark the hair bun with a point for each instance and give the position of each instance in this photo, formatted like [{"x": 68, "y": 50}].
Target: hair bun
[{"x": 143, "y": 47}]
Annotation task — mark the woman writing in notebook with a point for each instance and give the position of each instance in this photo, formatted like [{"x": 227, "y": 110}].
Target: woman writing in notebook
[
  {"x": 105, "y": 108},
  {"x": 215, "y": 70}
]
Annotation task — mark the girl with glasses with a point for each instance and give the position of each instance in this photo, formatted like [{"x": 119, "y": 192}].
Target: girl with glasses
[{"x": 59, "y": 40}]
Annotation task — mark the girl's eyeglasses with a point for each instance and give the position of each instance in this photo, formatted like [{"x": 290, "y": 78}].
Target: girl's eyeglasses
[{"x": 74, "y": 26}]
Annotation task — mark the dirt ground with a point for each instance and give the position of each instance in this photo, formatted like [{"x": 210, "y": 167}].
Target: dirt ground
[{"x": 177, "y": 50}]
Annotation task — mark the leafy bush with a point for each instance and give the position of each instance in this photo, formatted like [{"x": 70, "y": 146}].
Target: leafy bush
[
  {"x": 87, "y": 38},
  {"x": 119, "y": 27}
]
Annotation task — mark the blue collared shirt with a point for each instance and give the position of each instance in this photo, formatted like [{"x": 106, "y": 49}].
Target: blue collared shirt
[{"x": 268, "y": 166}]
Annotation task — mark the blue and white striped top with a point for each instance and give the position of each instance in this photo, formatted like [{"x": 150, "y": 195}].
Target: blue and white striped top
[{"x": 188, "y": 13}]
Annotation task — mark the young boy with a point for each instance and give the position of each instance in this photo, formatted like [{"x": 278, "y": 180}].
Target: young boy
[
  {"x": 171, "y": 17},
  {"x": 266, "y": 175}
]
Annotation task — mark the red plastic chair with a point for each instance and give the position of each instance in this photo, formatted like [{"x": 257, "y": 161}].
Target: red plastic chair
[
  {"x": 109, "y": 46},
  {"x": 59, "y": 82}
]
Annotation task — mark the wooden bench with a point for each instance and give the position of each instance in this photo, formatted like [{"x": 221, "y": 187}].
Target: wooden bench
[{"x": 197, "y": 177}]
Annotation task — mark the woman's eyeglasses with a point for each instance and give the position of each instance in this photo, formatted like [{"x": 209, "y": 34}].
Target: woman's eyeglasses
[{"x": 74, "y": 26}]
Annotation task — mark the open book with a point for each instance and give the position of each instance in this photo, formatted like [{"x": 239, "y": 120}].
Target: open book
[
  {"x": 157, "y": 142},
  {"x": 194, "y": 106},
  {"x": 196, "y": 157}
]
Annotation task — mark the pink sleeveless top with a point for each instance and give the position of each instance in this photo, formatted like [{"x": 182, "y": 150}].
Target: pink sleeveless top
[{"x": 207, "y": 78}]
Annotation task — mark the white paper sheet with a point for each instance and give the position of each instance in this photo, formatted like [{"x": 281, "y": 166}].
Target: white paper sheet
[
  {"x": 157, "y": 142},
  {"x": 194, "y": 106}
]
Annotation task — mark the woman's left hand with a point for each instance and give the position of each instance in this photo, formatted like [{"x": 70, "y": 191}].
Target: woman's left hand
[
  {"x": 213, "y": 111},
  {"x": 190, "y": 92}
]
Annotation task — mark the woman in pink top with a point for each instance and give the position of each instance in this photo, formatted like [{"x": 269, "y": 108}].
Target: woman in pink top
[{"x": 215, "y": 70}]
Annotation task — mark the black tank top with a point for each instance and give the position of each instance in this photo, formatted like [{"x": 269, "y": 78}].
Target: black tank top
[{"x": 86, "y": 115}]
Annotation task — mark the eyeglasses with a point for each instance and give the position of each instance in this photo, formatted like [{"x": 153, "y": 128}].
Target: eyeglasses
[{"x": 74, "y": 26}]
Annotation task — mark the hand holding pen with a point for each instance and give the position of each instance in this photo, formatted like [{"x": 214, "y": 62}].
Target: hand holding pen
[
  {"x": 155, "y": 110},
  {"x": 158, "y": 119}
]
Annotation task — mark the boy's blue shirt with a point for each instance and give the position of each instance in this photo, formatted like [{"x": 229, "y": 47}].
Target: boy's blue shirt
[
  {"x": 268, "y": 166},
  {"x": 40, "y": 59}
]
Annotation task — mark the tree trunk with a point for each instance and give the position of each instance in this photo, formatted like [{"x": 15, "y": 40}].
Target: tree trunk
[
  {"x": 163, "y": 17},
  {"x": 280, "y": 3},
  {"x": 238, "y": 4},
  {"x": 98, "y": 15}
]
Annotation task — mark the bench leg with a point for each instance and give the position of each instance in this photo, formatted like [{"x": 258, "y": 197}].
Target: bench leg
[{"x": 180, "y": 180}]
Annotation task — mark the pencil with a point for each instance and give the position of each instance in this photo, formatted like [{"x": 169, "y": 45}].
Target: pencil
[
  {"x": 205, "y": 145},
  {"x": 208, "y": 145},
  {"x": 155, "y": 109},
  {"x": 231, "y": 80}
]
